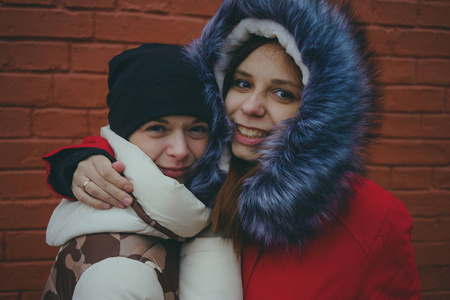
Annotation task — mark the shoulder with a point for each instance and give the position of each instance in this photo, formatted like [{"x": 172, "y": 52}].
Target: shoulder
[{"x": 374, "y": 211}]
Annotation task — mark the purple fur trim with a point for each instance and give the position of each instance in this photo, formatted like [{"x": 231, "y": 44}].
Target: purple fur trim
[{"x": 309, "y": 166}]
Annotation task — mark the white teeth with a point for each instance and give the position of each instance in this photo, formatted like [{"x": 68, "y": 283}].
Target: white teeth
[{"x": 251, "y": 133}]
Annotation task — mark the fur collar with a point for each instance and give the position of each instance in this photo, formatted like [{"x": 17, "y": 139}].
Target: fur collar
[{"x": 309, "y": 166}]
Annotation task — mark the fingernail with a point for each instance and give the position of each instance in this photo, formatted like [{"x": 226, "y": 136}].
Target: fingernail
[
  {"x": 127, "y": 188},
  {"x": 106, "y": 206},
  {"x": 127, "y": 201},
  {"x": 120, "y": 205}
]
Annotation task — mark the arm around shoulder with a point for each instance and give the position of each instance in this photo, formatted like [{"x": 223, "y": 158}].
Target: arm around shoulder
[
  {"x": 61, "y": 163},
  {"x": 390, "y": 271}
]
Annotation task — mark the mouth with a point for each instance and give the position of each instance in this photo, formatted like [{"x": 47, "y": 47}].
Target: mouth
[
  {"x": 174, "y": 172},
  {"x": 249, "y": 136}
]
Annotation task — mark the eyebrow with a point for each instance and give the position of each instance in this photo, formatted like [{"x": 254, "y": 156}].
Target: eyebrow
[
  {"x": 277, "y": 81},
  {"x": 161, "y": 121},
  {"x": 196, "y": 120}
]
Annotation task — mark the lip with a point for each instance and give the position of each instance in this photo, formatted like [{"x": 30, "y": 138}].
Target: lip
[
  {"x": 174, "y": 172},
  {"x": 248, "y": 140}
]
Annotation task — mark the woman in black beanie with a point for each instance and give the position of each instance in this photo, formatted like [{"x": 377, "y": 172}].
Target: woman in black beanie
[{"x": 159, "y": 127}]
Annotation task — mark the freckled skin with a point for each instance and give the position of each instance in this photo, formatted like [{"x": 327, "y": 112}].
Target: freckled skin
[{"x": 266, "y": 89}]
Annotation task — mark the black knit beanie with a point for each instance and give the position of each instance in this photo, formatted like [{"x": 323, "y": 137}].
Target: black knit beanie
[{"x": 150, "y": 82}]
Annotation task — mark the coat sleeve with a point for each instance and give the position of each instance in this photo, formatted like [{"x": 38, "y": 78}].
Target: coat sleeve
[
  {"x": 391, "y": 271},
  {"x": 209, "y": 269},
  {"x": 119, "y": 278},
  {"x": 62, "y": 163}
]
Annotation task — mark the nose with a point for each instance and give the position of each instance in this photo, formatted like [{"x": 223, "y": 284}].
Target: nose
[
  {"x": 177, "y": 147},
  {"x": 253, "y": 105}
]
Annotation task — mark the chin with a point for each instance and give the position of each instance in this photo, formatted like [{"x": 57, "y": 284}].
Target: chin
[{"x": 243, "y": 152}]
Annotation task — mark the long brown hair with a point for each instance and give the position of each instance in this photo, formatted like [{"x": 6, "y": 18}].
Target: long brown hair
[{"x": 225, "y": 217}]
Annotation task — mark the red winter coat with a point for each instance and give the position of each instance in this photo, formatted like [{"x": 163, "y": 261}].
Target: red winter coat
[{"x": 367, "y": 256}]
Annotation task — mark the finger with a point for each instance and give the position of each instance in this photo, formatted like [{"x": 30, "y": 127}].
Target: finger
[
  {"x": 118, "y": 166},
  {"x": 98, "y": 193},
  {"x": 98, "y": 168},
  {"x": 85, "y": 198},
  {"x": 114, "y": 184},
  {"x": 126, "y": 185}
]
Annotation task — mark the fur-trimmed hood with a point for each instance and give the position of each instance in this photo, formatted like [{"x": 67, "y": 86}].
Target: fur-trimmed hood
[{"x": 309, "y": 166}]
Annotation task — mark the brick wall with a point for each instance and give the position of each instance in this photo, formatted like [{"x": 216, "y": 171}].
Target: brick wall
[{"x": 53, "y": 58}]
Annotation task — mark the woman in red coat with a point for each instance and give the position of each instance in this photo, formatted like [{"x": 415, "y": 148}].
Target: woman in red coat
[{"x": 300, "y": 90}]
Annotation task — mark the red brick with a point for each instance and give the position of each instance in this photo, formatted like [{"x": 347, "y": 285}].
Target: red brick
[
  {"x": 428, "y": 277},
  {"x": 97, "y": 119},
  {"x": 45, "y": 23},
  {"x": 410, "y": 152},
  {"x": 34, "y": 56},
  {"x": 425, "y": 203},
  {"x": 380, "y": 175},
  {"x": 435, "y": 229},
  {"x": 18, "y": 246},
  {"x": 2, "y": 246},
  {"x": 93, "y": 57},
  {"x": 81, "y": 91},
  {"x": 410, "y": 42},
  {"x": 436, "y": 295},
  {"x": 145, "y": 5},
  {"x": 26, "y": 90},
  {"x": 30, "y": 2},
  {"x": 15, "y": 122},
  {"x": 401, "y": 125},
  {"x": 24, "y": 275},
  {"x": 434, "y": 71},
  {"x": 415, "y": 125},
  {"x": 141, "y": 28},
  {"x": 60, "y": 123},
  {"x": 447, "y": 101},
  {"x": 434, "y": 14},
  {"x": 411, "y": 178},
  {"x": 436, "y": 126},
  {"x": 9, "y": 296},
  {"x": 414, "y": 99},
  {"x": 441, "y": 178},
  {"x": 26, "y": 153},
  {"x": 195, "y": 7},
  {"x": 23, "y": 184},
  {"x": 363, "y": 9},
  {"x": 398, "y": 70},
  {"x": 104, "y": 4},
  {"x": 432, "y": 254},
  {"x": 444, "y": 278},
  {"x": 6, "y": 56},
  {"x": 26, "y": 214},
  {"x": 36, "y": 295},
  {"x": 441, "y": 277},
  {"x": 395, "y": 12}
]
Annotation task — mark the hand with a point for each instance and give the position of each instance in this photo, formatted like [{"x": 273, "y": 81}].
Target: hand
[{"x": 103, "y": 184}]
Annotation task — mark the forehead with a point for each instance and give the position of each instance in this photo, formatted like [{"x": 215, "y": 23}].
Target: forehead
[{"x": 272, "y": 57}]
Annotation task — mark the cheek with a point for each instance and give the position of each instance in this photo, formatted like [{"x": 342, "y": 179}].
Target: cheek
[
  {"x": 198, "y": 147},
  {"x": 152, "y": 148},
  {"x": 231, "y": 103},
  {"x": 284, "y": 112}
]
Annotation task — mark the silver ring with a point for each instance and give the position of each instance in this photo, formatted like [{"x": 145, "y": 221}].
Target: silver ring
[{"x": 85, "y": 184}]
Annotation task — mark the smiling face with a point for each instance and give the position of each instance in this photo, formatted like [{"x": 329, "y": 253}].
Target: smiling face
[
  {"x": 266, "y": 90},
  {"x": 174, "y": 143}
]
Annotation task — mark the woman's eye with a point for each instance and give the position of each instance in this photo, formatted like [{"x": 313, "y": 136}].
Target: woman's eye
[
  {"x": 156, "y": 128},
  {"x": 199, "y": 131},
  {"x": 285, "y": 95},
  {"x": 242, "y": 84}
]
